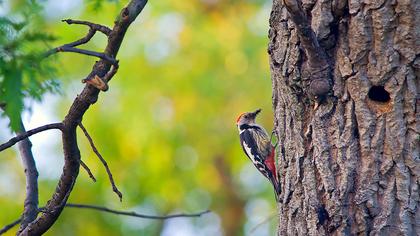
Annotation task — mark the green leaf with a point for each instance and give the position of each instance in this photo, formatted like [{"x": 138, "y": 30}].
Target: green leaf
[
  {"x": 11, "y": 94},
  {"x": 24, "y": 72}
]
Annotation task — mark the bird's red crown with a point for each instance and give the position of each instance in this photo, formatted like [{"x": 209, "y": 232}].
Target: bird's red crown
[{"x": 239, "y": 117}]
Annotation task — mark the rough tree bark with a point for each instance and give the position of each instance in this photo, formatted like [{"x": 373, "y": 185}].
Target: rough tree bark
[{"x": 350, "y": 166}]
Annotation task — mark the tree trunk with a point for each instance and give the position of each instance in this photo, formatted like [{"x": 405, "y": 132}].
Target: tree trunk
[{"x": 350, "y": 166}]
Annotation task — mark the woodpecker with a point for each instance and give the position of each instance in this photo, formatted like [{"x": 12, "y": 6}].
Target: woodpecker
[{"x": 258, "y": 147}]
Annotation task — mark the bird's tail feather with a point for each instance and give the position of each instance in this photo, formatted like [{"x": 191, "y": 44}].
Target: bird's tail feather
[{"x": 277, "y": 189}]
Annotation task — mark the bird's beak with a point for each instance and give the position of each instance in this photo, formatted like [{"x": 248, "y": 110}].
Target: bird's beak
[{"x": 255, "y": 113}]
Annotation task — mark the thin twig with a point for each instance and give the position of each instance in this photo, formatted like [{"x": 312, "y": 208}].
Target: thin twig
[
  {"x": 28, "y": 133},
  {"x": 71, "y": 47},
  {"x": 135, "y": 214},
  {"x": 9, "y": 226},
  {"x": 66, "y": 48},
  {"x": 104, "y": 163},
  {"x": 112, "y": 211},
  {"x": 88, "y": 170},
  {"x": 102, "y": 28},
  {"x": 81, "y": 41},
  {"x": 89, "y": 53}
]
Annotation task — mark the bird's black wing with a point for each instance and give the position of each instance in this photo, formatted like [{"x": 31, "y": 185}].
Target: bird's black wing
[{"x": 250, "y": 147}]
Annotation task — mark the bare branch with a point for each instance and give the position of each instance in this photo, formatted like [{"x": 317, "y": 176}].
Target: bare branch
[
  {"x": 135, "y": 214},
  {"x": 98, "y": 27},
  {"x": 24, "y": 135},
  {"x": 87, "y": 170},
  {"x": 30, "y": 210},
  {"x": 71, "y": 47},
  {"x": 9, "y": 226},
  {"x": 80, "y": 105},
  {"x": 112, "y": 211},
  {"x": 78, "y": 42},
  {"x": 81, "y": 41},
  {"x": 66, "y": 48},
  {"x": 95, "y": 150}
]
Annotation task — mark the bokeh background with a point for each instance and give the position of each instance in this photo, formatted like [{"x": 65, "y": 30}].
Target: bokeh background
[{"x": 166, "y": 126}]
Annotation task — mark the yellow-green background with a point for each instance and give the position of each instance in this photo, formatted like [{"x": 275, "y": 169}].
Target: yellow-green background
[{"x": 166, "y": 126}]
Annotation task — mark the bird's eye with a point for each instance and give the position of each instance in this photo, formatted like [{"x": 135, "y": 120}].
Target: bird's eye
[{"x": 246, "y": 116}]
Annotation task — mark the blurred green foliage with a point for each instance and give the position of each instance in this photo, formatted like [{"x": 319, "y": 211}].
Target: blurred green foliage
[
  {"x": 23, "y": 72},
  {"x": 167, "y": 124}
]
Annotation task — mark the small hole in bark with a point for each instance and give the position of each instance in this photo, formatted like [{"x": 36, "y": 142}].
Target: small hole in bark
[
  {"x": 379, "y": 94},
  {"x": 356, "y": 133},
  {"x": 323, "y": 215}
]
